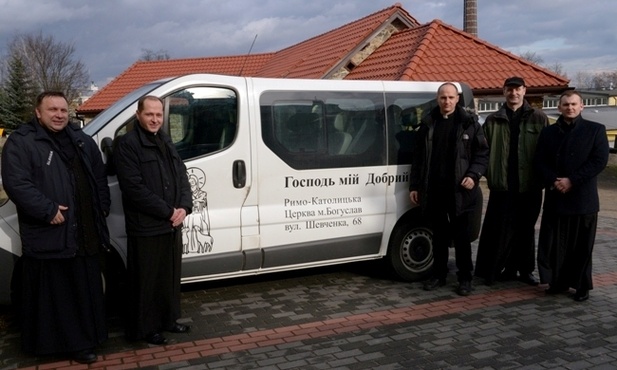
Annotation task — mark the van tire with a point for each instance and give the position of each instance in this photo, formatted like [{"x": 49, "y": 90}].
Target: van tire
[{"x": 410, "y": 250}]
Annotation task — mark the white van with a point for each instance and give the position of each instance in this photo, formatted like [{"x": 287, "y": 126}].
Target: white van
[{"x": 285, "y": 174}]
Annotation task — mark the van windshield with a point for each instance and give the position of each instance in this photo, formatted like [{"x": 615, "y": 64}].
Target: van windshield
[{"x": 108, "y": 114}]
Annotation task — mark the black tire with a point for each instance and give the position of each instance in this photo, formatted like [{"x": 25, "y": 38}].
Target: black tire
[{"x": 410, "y": 251}]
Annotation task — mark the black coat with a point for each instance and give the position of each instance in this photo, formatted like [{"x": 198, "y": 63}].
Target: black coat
[
  {"x": 579, "y": 154},
  {"x": 470, "y": 159},
  {"x": 37, "y": 180},
  {"x": 145, "y": 183}
]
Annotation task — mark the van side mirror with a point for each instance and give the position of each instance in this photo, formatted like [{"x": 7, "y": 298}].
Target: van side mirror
[{"x": 107, "y": 148}]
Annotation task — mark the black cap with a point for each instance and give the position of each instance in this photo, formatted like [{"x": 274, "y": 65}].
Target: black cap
[{"x": 514, "y": 81}]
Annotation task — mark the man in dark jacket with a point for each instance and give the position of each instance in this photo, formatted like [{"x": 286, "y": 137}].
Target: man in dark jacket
[
  {"x": 156, "y": 197},
  {"x": 54, "y": 174},
  {"x": 507, "y": 243},
  {"x": 570, "y": 155},
  {"x": 450, "y": 157}
]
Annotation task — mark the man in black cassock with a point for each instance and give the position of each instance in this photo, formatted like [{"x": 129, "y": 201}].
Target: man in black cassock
[
  {"x": 569, "y": 156},
  {"x": 156, "y": 196},
  {"x": 55, "y": 175}
]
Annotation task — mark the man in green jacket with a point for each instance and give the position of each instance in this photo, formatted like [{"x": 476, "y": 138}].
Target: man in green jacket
[{"x": 507, "y": 241}]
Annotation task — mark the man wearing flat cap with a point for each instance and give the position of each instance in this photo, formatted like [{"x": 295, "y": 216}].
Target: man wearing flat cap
[{"x": 506, "y": 250}]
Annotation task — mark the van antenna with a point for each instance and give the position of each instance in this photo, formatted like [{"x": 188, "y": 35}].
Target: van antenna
[{"x": 247, "y": 55}]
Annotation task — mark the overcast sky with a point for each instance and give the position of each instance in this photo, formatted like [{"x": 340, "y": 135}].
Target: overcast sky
[{"x": 110, "y": 35}]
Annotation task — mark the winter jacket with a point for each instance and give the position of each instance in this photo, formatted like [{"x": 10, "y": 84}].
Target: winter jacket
[
  {"x": 145, "y": 182},
  {"x": 497, "y": 130},
  {"x": 579, "y": 154},
  {"x": 471, "y": 158},
  {"x": 38, "y": 180}
]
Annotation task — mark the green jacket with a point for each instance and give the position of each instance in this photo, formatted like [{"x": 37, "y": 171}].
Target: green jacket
[{"x": 497, "y": 130}]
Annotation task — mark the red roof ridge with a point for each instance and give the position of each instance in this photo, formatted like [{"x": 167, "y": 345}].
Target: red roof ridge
[
  {"x": 389, "y": 10},
  {"x": 423, "y": 45}
]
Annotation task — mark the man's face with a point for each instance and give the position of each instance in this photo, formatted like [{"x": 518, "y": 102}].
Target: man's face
[
  {"x": 570, "y": 107},
  {"x": 447, "y": 97},
  {"x": 53, "y": 113},
  {"x": 151, "y": 116},
  {"x": 514, "y": 95}
]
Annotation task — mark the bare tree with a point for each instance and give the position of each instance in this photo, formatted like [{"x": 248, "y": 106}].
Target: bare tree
[
  {"x": 604, "y": 80},
  {"x": 533, "y": 57},
  {"x": 50, "y": 64},
  {"x": 557, "y": 68},
  {"x": 583, "y": 80},
  {"x": 150, "y": 55}
]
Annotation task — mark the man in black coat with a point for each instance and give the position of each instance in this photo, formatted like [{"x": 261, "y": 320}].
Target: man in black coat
[
  {"x": 450, "y": 157},
  {"x": 55, "y": 175},
  {"x": 156, "y": 197},
  {"x": 569, "y": 156}
]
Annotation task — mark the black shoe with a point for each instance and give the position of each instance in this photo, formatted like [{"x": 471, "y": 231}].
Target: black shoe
[
  {"x": 581, "y": 297},
  {"x": 156, "y": 338},
  {"x": 529, "y": 279},
  {"x": 86, "y": 356},
  {"x": 434, "y": 283},
  {"x": 555, "y": 290},
  {"x": 179, "y": 328},
  {"x": 464, "y": 288}
]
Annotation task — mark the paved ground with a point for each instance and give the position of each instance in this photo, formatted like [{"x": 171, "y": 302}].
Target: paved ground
[{"x": 354, "y": 317}]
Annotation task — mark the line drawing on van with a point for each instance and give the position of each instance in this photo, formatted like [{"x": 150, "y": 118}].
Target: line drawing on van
[{"x": 196, "y": 238}]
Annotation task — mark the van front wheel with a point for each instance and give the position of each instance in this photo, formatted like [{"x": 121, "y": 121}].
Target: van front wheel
[{"x": 410, "y": 251}]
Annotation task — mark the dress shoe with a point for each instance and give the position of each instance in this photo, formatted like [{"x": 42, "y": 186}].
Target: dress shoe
[
  {"x": 179, "y": 328},
  {"x": 464, "y": 288},
  {"x": 156, "y": 338},
  {"x": 434, "y": 283},
  {"x": 86, "y": 356},
  {"x": 581, "y": 297},
  {"x": 529, "y": 279}
]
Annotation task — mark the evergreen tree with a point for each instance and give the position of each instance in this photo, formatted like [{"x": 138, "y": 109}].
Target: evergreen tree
[{"x": 16, "y": 104}]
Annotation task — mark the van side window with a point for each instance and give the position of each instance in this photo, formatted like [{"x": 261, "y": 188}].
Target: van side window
[
  {"x": 309, "y": 129},
  {"x": 202, "y": 120},
  {"x": 404, "y": 114},
  {"x": 199, "y": 120}
]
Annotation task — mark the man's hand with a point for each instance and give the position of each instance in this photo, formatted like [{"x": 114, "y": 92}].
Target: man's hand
[
  {"x": 468, "y": 183},
  {"x": 178, "y": 217},
  {"x": 413, "y": 196},
  {"x": 59, "y": 218},
  {"x": 562, "y": 185}
]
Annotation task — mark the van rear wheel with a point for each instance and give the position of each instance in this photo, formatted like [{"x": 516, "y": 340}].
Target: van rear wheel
[{"x": 410, "y": 251}]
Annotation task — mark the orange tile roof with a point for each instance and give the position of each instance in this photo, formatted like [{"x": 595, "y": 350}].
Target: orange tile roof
[
  {"x": 312, "y": 58},
  {"x": 419, "y": 53},
  {"x": 427, "y": 53},
  {"x": 143, "y": 72},
  {"x": 315, "y": 57}
]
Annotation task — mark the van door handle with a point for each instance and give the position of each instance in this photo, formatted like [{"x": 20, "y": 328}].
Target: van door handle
[{"x": 239, "y": 174}]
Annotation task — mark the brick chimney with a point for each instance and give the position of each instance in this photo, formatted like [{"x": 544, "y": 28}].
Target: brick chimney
[{"x": 470, "y": 17}]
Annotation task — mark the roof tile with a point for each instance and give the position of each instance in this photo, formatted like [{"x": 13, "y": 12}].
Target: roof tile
[{"x": 430, "y": 50}]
